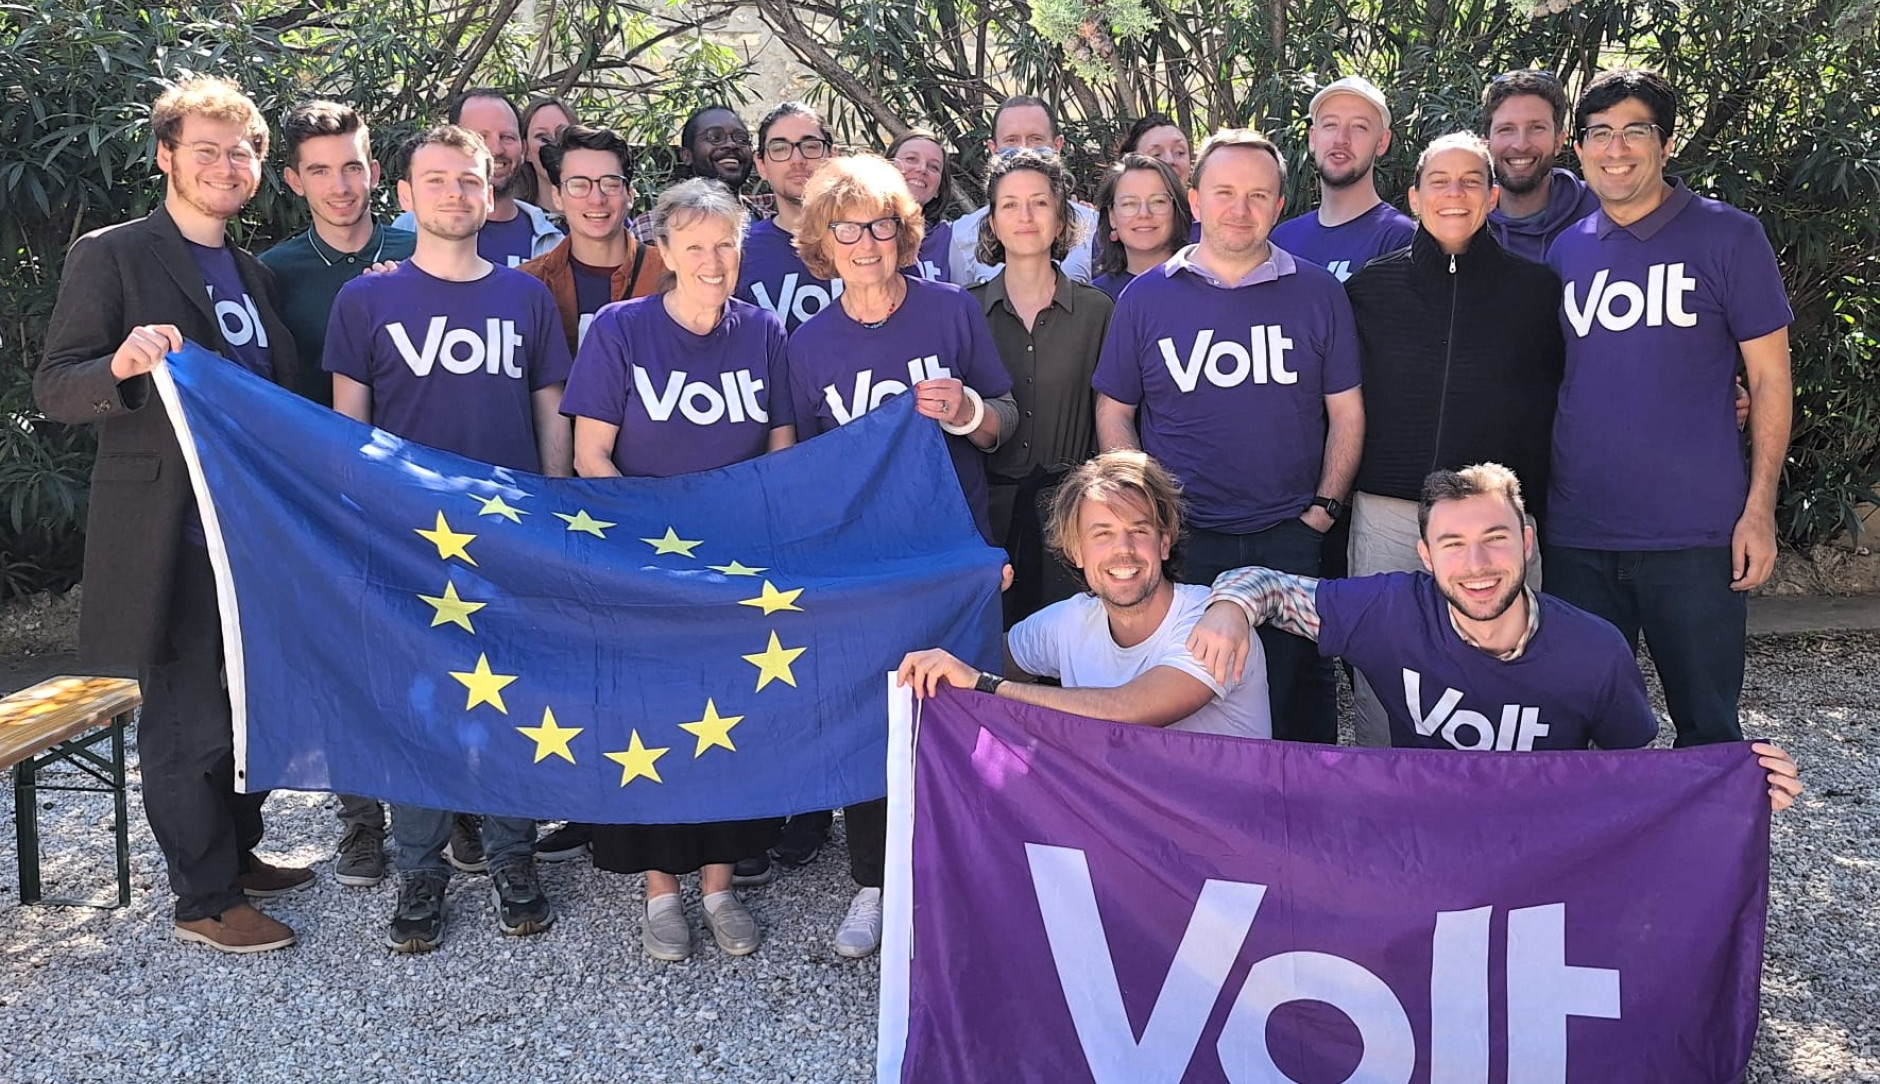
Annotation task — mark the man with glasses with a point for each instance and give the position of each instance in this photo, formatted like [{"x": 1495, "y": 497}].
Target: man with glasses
[
  {"x": 1022, "y": 122},
  {"x": 1350, "y": 127},
  {"x": 715, "y": 144},
  {"x": 131, "y": 294},
  {"x": 1525, "y": 116},
  {"x": 517, "y": 231},
  {"x": 1655, "y": 522},
  {"x": 793, "y": 143}
]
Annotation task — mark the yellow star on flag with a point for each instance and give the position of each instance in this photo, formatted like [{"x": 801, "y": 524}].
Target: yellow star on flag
[
  {"x": 636, "y": 760},
  {"x": 485, "y": 687},
  {"x": 773, "y": 663},
  {"x": 550, "y": 739},
  {"x": 581, "y": 521},
  {"x": 496, "y": 506},
  {"x": 452, "y": 610},
  {"x": 672, "y": 543},
  {"x": 448, "y": 542},
  {"x": 735, "y": 568},
  {"x": 714, "y": 729},
  {"x": 773, "y": 600}
]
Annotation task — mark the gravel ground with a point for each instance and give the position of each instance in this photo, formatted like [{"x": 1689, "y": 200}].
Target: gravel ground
[{"x": 583, "y": 1003}]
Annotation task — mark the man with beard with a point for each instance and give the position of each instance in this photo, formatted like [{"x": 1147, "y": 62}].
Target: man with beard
[
  {"x": 715, "y": 144},
  {"x": 1525, "y": 116},
  {"x": 1350, "y": 127},
  {"x": 792, "y": 144},
  {"x": 516, "y": 231},
  {"x": 1119, "y": 650},
  {"x": 131, "y": 293}
]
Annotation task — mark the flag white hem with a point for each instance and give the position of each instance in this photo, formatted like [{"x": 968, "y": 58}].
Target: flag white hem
[{"x": 897, "y": 888}]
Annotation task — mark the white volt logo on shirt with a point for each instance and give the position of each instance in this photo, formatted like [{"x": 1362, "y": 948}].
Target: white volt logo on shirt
[
  {"x": 701, "y": 403},
  {"x": 1340, "y": 269},
  {"x": 1228, "y": 364},
  {"x": 461, "y": 350},
  {"x": 239, "y": 321},
  {"x": 1619, "y": 305},
  {"x": 795, "y": 297},
  {"x": 869, "y": 394},
  {"x": 1519, "y": 726}
]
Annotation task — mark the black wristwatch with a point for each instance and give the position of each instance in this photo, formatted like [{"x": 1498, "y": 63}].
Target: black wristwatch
[
  {"x": 1331, "y": 506},
  {"x": 988, "y": 683}
]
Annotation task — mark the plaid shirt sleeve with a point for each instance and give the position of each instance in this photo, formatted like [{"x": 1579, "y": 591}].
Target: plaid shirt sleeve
[{"x": 1279, "y": 599}]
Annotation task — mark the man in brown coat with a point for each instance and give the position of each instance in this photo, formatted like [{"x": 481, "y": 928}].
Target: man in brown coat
[{"x": 132, "y": 293}]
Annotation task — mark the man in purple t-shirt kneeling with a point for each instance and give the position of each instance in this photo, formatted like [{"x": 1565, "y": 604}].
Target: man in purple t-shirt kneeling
[
  {"x": 1654, "y": 522},
  {"x": 1236, "y": 366}
]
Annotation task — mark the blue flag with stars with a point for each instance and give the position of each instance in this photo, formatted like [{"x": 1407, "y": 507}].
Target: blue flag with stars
[{"x": 414, "y": 626}]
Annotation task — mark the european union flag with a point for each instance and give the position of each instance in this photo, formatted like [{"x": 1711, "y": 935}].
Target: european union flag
[{"x": 404, "y": 623}]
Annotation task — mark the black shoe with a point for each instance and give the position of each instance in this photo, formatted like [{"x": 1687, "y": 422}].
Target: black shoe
[
  {"x": 567, "y": 842},
  {"x": 418, "y": 923},
  {"x": 465, "y": 850},
  {"x": 521, "y": 906},
  {"x": 803, "y": 837},
  {"x": 753, "y": 871}
]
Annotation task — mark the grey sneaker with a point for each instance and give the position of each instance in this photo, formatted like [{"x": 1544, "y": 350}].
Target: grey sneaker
[
  {"x": 465, "y": 849},
  {"x": 361, "y": 861},
  {"x": 750, "y": 872},
  {"x": 665, "y": 934},
  {"x": 733, "y": 927},
  {"x": 860, "y": 932},
  {"x": 418, "y": 923},
  {"x": 522, "y": 908}
]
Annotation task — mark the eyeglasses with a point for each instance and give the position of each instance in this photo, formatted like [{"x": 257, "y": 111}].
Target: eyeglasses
[
  {"x": 1154, "y": 206},
  {"x": 613, "y": 184},
  {"x": 208, "y": 154},
  {"x": 718, "y": 137},
  {"x": 1541, "y": 74},
  {"x": 811, "y": 148},
  {"x": 1042, "y": 149},
  {"x": 1600, "y": 136},
  {"x": 881, "y": 229}
]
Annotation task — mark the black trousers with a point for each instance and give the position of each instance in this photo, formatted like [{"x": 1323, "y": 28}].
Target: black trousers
[{"x": 187, "y": 754}]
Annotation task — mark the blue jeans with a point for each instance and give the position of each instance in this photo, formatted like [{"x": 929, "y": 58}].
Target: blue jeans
[
  {"x": 1694, "y": 624},
  {"x": 1301, "y": 684},
  {"x": 421, "y": 834}
]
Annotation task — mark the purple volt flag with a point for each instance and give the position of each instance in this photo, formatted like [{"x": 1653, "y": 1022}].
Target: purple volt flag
[{"x": 1079, "y": 901}]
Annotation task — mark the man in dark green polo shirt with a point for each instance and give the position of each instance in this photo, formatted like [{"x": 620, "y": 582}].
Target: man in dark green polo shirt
[{"x": 330, "y": 165}]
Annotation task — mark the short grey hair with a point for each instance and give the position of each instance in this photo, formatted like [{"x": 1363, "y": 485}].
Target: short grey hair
[
  {"x": 1456, "y": 141},
  {"x": 688, "y": 201}
]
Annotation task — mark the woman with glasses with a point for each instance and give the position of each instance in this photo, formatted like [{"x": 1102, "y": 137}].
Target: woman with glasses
[
  {"x": 890, "y": 334},
  {"x": 1049, "y": 331},
  {"x": 792, "y": 144},
  {"x": 1142, "y": 219},
  {"x": 697, "y": 333},
  {"x": 926, "y": 166},
  {"x": 542, "y": 121}
]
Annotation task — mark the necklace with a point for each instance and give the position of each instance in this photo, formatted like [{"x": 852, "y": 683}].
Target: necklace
[
  {"x": 319, "y": 249},
  {"x": 893, "y": 306}
]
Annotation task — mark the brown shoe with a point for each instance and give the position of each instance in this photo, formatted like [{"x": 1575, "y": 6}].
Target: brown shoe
[
  {"x": 263, "y": 881},
  {"x": 241, "y": 928}
]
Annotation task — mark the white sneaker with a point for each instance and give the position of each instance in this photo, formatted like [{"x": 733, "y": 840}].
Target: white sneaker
[{"x": 860, "y": 932}]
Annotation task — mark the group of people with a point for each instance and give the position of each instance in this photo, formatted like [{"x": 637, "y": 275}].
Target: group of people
[{"x": 1168, "y": 390}]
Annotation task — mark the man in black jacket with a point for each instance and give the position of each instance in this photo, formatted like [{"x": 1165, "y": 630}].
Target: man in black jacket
[
  {"x": 1462, "y": 353},
  {"x": 132, "y": 293}
]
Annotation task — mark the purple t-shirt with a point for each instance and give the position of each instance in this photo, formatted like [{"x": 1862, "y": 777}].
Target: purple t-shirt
[
  {"x": 684, "y": 402},
  {"x": 593, "y": 290},
  {"x": 936, "y": 262},
  {"x": 840, "y": 370},
  {"x": 1230, "y": 385},
  {"x": 772, "y": 276},
  {"x": 507, "y": 244},
  {"x": 451, "y": 364},
  {"x": 1646, "y": 451},
  {"x": 1344, "y": 248},
  {"x": 244, "y": 336},
  {"x": 1574, "y": 686},
  {"x": 1112, "y": 282}
]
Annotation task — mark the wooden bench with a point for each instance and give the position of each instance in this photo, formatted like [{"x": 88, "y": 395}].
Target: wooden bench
[{"x": 77, "y": 722}]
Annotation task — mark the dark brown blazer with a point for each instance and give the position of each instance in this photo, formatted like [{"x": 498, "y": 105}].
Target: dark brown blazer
[{"x": 115, "y": 279}]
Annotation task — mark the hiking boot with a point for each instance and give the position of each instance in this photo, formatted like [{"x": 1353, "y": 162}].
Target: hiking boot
[
  {"x": 664, "y": 932},
  {"x": 361, "y": 860},
  {"x": 753, "y": 871},
  {"x": 802, "y": 839},
  {"x": 731, "y": 924},
  {"x": 522, "y": 907},
  {"x": 241, "y": 928},
  {"x": 418, "y": 923},
  {"x": 860, "y": 932},
  {"x": 465, "y": 849},
  {"x": 263, "y": 881},
  {"x": 568, "y": 842}
]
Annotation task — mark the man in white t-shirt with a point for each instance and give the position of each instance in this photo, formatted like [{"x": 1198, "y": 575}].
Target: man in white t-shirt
[{"x": 1121, "y": 650}]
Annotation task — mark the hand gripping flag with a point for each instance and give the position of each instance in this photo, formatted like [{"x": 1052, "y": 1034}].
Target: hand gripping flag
[
  {"x": 407, "y": 624},
  {"x": 1073, "y": 901}
]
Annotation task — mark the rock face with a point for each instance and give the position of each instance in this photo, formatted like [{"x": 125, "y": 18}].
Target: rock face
[
  {"x": 1833, "y": 569},
  {"x": 775, "y": 74}
]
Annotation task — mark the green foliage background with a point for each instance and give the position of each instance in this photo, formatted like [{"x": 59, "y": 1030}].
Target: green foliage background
[{"x": 1781, "y": 116}]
